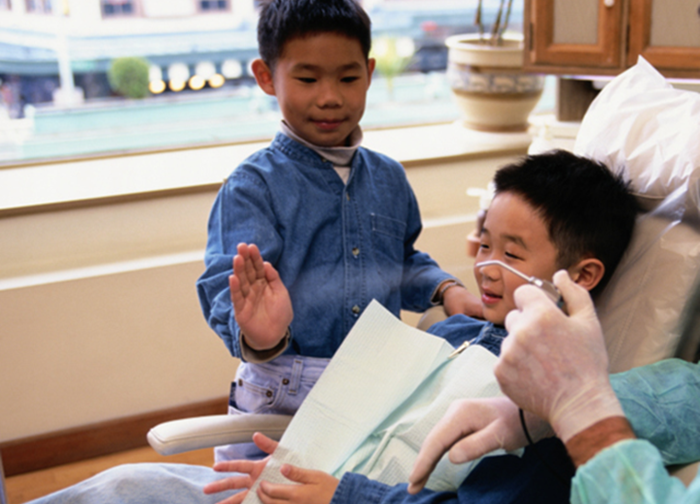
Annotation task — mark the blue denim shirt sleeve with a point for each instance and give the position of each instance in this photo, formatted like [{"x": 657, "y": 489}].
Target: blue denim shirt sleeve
[
  {"x": 248, "y": 220},
  {"x": 336, "y": 246},
  {"x": 354, "y": 488},
  {"x": 662, "y": 403}
]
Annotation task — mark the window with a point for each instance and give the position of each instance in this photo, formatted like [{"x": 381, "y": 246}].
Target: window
[
  {"x": 213, "y": 5},
  {"x": 39, "y": 6},
  {"x": 117, "y": 8},
  {"x": 200, "y": 89}
]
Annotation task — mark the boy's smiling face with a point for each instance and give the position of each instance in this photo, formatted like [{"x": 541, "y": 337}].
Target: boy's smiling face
[
  {"x": 321, "y": 83},
  {"x": 516, "y": 234}
]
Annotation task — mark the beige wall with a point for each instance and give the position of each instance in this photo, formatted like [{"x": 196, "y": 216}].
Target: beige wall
[{"x": 99, "y": 313}]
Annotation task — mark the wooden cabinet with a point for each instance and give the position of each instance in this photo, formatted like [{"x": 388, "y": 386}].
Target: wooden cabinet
[{"x": 604, "y": 37}]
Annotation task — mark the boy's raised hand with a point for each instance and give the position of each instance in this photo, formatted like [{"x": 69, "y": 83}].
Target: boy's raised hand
[
  {"x": 261, "y": 302},
  {"x": 249, "y": 471}
]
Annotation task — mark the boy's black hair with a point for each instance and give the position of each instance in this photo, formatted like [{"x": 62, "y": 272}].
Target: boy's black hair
[
  {"x": 588, "y": 210},
  {"x": 283, "y": 20}
]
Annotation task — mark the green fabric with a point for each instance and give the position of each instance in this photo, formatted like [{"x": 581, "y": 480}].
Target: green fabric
[{"x": 662, "y": 402}]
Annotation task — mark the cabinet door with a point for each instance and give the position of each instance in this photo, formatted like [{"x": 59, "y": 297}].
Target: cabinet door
[
  {"x": 667, "y": 34},
  {"x": 581, "y": 36}
]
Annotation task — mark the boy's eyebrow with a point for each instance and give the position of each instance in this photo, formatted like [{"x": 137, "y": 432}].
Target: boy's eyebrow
[
  {"x": 512, "y": 238},
  {"x": 344, "y": 68},
  {"x": 516, "y": 239}
]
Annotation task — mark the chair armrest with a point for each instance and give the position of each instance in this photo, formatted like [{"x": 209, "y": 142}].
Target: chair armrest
[{"x": 188, "y": 434}]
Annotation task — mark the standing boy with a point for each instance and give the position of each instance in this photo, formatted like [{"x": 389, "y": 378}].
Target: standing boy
[{"x": 335, "y": 223}]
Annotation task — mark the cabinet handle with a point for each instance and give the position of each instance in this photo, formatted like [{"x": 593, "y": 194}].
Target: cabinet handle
[{"x": 609, "y": 3}]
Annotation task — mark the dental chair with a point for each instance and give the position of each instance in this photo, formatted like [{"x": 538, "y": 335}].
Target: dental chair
[{"x": 643, "y": 128}]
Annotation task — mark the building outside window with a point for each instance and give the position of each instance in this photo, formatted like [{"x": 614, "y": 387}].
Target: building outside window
[
  {"x": 38, "y": 6},
  {"x": 118, "y": 8},
  {"x": 213, "y": 5}
]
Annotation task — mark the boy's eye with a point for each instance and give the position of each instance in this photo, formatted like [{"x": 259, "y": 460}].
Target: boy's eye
[
  {"x": 511, "y": 256},
  {"x": 349, "y": 79},
  {"x": 306, "y": 80}
]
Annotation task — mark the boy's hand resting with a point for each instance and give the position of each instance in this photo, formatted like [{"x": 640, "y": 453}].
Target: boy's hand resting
[
  {"x": 250, "y": 470},
  {"x": 457, "y": 299},
  {"x": 261, "y": 302},
  {"x": 315, "y": 487}
]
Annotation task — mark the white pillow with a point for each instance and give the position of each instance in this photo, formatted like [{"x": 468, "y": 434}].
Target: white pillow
[{"x": 642, "y": 127}]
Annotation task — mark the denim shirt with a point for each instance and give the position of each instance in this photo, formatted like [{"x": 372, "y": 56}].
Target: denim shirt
[
  {"x": 459, "y": 328},
  {"x": 336, "y": 246}
]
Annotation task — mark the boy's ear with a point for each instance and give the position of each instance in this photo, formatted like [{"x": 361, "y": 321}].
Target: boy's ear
[
  {"x": 371, "y": 63},
  {"x": 263, "y": 76},
  {"x": 587, "y": 272}
]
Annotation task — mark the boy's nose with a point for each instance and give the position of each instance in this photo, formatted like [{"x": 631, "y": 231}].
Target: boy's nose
[
  {"x": 490, "y": 272},
  {"x": 329, "y": 96}
]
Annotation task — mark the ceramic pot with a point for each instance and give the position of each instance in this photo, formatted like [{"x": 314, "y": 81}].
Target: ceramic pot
[{"x": 489, "y": 85}]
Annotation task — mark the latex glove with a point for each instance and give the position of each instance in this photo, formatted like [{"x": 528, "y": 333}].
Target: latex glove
[
  {"x": 470, "y": 429},
  {"x": 555, "y": 365},
  {"x": 261, "y": 302}
]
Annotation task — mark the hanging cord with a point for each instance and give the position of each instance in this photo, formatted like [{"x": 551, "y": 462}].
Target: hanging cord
[{"x": 562, "y": 479}]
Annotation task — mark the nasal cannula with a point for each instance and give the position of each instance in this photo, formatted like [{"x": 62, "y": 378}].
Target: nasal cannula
[{"x": 548, "y": 287}]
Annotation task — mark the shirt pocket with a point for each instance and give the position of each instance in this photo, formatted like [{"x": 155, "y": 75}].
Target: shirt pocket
[{"x": 388, "y": 246}]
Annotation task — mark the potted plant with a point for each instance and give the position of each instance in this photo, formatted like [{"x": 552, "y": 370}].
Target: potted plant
[{"x": 484, "y": 70}]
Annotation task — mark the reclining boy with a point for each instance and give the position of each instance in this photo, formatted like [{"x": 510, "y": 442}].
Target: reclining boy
[{"x": 551, "y": 211}]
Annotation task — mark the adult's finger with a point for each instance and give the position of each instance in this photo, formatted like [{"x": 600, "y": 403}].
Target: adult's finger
[
  {"x": 449, "y": 429},
  {"x": 577, "y": 299}
]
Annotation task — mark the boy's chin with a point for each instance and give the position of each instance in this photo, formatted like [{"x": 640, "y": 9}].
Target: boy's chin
[{"x": 496, "y": 317}]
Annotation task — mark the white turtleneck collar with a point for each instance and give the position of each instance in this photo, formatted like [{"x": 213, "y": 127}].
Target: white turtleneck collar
[{"x": 340, "y": 157}]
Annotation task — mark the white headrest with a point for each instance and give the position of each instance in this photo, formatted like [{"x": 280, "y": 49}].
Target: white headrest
[{"x": 642, "y": 127}]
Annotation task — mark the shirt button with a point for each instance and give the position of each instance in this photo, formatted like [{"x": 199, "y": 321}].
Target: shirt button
[
  {"x": 285, "y": 381},
  {"x": 356, "y": 309},
  {"x": 355, "y": 251},
  {"x": 268, "y": 393},
  {"x": 347, "y": 196},
  {"x": 240, "y": 382}
]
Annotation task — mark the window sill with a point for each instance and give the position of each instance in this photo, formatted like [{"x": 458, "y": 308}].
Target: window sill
[{"x": 42, "y": 186}]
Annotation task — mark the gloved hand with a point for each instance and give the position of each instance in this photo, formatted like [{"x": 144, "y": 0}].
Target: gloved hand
[
  {"x": 555, "y": 365},
  {"x": 470, "y": 429}
]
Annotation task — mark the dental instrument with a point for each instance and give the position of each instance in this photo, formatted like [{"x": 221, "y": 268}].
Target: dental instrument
[{"x": 548, "y": 287}]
